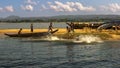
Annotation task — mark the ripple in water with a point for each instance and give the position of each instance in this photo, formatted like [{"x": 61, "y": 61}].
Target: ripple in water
[{"x": 87, "y": 39}]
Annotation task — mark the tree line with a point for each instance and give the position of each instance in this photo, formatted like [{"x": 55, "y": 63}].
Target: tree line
[{"x": 68, "y": 18}]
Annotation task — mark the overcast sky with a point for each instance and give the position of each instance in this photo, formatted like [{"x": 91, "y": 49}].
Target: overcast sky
[{"x": 35, "y": 8}]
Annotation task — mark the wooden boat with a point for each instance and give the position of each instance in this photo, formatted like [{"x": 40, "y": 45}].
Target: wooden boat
[
  {"x": 34, "y": 34},
  {"x": 82, "y": 25}
]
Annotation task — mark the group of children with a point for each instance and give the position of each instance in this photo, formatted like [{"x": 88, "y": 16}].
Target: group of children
[
  {"x": 70, "y": 28},
  {"x": 50, "y": 28}
]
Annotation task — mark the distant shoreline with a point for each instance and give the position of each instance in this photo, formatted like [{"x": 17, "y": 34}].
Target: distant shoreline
[
  {"x": 61, "y": 18},
  {"x": 104, "y": 35}
]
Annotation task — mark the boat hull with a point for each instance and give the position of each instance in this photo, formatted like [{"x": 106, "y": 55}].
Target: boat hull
[{"x": 34, "y": 34}]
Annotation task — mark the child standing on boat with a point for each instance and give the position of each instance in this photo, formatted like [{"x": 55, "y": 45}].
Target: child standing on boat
[
  {"x": 19, "y": 32},
  {"x": 31, "y": 27},
  {"x": 50, "y": 28}
]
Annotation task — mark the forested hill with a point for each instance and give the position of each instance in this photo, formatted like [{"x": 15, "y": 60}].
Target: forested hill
[{"x": 62, "y": 18}]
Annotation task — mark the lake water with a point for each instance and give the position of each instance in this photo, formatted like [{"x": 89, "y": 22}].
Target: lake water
[
  {"x": 27, "y": 25},
  {"x": 19, "y": 53}
]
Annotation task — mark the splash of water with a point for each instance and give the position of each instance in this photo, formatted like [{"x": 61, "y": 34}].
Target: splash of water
[
  {"x": 79, "y": 39},
  {"x": 53, "y": 38},
  {"x": 87, "y": 39}
]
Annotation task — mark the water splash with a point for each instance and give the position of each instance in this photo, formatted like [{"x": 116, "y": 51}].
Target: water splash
[
  {"x": 79, "y": 39},
  {"x": 87, "y": 39},
  {"x": 46, "y": 38},
  {"x": 52, "y": 38}
]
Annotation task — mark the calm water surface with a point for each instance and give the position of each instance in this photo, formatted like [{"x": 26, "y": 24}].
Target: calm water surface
[
  {"x": 27, "y": 25},
  {"x": 16, "y": 53}
]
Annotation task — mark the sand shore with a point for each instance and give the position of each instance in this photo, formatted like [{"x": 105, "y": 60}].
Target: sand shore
[
  {"x": 61, "y": 31},
  {"x": 105, "y": 34}
]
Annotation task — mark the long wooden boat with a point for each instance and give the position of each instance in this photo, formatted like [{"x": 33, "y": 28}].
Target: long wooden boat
[
  {"x": 82, "y": 25},
  {"x": 34, "y": 34}
]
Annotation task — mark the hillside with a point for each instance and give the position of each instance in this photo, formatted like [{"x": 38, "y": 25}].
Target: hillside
[{"x": 61, "y": 18}]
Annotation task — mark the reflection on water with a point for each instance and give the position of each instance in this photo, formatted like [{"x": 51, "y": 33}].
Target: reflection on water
[
  {"x": 17, "y": 54},
  {"x": 110, "y": 51},
  {"x": 70, "y": 53}
]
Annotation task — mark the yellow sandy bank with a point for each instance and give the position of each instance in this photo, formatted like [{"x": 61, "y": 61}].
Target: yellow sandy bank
[
  {"x": 61, "y": 30},
  {"x": 113, "y": 35}
]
